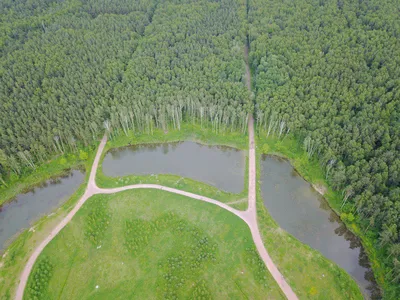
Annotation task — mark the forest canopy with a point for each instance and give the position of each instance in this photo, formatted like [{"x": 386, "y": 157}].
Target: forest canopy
[
  {"x": 325, "y": 71},
  {"x": 329, "y": 71},
  {"x": 72, "y": 69}
]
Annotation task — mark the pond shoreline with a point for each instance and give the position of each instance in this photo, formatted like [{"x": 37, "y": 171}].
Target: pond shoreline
[
  {"x": 373, "y": 288},
  {"x": 36, "y": 202},
  {"x": 220, "y": 166},
  {"x": 30, "y": 187}
]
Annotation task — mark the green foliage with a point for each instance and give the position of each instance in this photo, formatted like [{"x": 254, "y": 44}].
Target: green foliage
[
  {"x": 3, "y": 159},
  {"x": 347, "y": 217},
  {"x": 133, "y": 242},
  {"x": 96, "y": 223},
  {"x": 186, "y": 265},
  {"x": 83, "y": 155},
  {"x": 67, "y": 73},
  {"x": 7, "y": 296},
  {"x": 257, "y": 265},
  {"x": 327, "y": 71},
  {"x": 181, "y": 267},
  {"x": 313, "y": 291},
  {"x": 39, "y": 280},
  {"x": 265, "y": 149},
  {"x": 292, "y": 257},
  {"x": 63, "y": 161},
  {"x": 200, "y": 291}
]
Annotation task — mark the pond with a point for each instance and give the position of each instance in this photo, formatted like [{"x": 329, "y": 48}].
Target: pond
[
  {"x": 27, "y": 208},
  {"x": 305, "y": 214},
  {"x": 222, "y": 167}
]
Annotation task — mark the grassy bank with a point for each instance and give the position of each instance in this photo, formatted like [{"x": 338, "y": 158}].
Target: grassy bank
[
  {"x": 17, "y": 254},
  {"x": 54, "y": 168},
  {"x": 308, "y": 272},
  {"x": 188, "y": 132},
  {"x": 311, "y": 171},
  {"x": 151, "y": 244},
  {"x": 177, "y": 182}
]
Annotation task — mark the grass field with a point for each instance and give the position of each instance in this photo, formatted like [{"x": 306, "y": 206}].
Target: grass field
[{"x": 149, "y": 244}]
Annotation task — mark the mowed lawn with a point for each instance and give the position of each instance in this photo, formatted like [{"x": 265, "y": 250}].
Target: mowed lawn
[{"x": 149, "y": 244}]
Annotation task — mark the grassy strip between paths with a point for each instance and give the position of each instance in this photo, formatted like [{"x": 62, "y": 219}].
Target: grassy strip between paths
[
  {"x": 310, "y": 274},
  {"x": 188, "y": 132},
  {"x": 151, "y": 244},
  {"x": 17, "y": 254}
]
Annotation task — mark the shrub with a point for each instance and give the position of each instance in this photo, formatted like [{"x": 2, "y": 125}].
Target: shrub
[
  {"x": 39, "y": 279},
  {"x": 265, "y": 149},
  {"x": 97, "y": 222},
  {"x": 83, "y": 155}
]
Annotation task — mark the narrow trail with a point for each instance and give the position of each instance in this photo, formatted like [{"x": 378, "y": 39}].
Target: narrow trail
[
  {"x": 251, "y": 212},
  {"x": 249, "y": 216}
]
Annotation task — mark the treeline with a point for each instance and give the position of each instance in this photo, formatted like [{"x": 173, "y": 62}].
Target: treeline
[
  {"x": 57, "y": 78},
  {"x": 188, "y": 67},
  {"x": 329, "y": 71},
  {"x": 71, "y": 69}
]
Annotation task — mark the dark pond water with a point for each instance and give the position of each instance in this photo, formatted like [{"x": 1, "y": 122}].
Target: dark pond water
[
  {"x": 27, "y": 208},
  {"x": 302, "y": 212},
  {"x": 222, "y": 167}
]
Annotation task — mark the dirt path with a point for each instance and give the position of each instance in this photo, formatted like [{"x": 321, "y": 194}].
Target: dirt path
[
  {"x": 250, "y": 217},
  {"x": 250, "y": 214}
]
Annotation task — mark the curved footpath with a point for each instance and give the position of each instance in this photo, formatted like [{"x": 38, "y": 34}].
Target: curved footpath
[{"x": 249, "y": 216}]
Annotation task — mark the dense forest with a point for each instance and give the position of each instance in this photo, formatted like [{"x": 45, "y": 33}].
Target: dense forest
[
  {"x": 329, "y": 71},
  {"x": 60, "y": 62},
  {"x": 71, "y": 69},
  {"x": 325, "y": 71},
  {"x": 189, "y": 65}
]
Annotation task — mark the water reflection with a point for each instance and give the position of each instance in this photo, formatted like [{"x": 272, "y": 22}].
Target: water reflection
[
  {"x": 219, "y": 166},
  {"x": 34, "y": 203},
  {"x": 302, "y": 212}
]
